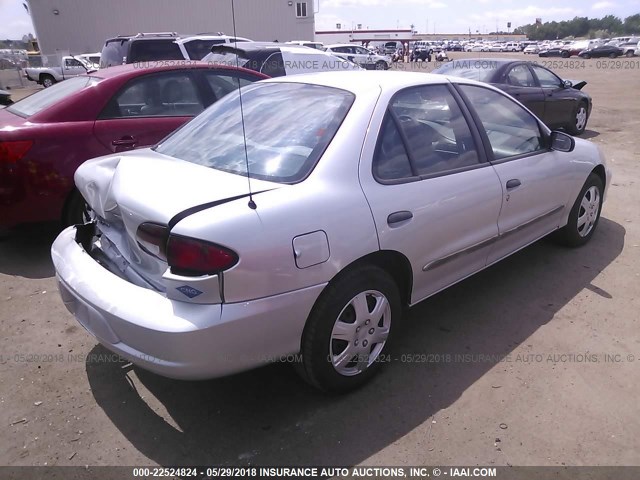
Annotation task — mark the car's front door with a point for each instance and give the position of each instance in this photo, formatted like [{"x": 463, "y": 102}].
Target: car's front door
[
  {"x": 433, "y": 196},
  {"x": 559, "y": 101},
  {"x": 147, "y": 109},
  {"x": 73, "y": 67},
  {"x": 534, "y": 178}
]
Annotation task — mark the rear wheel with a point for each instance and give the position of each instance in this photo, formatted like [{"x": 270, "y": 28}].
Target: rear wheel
[
  {"x": 586, "y": 56},
  {"x": 565, "y": 54},
  {"x": 612, "y": 55},
  {"x": 349, "y": 328},
  {"x": 584, "y": 215},
  {"x": 47, "y": 80},
  {"x": 580, "y": 118},
  {"x": 629, "y": 53}
]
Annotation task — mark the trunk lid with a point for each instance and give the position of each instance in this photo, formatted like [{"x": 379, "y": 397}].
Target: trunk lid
[{"x": 127, "y": 190}]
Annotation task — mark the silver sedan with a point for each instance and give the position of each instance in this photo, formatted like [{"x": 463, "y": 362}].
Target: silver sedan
[{"x": 296, "y": 221}]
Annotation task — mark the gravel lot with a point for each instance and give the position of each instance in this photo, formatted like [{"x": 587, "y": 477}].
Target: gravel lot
[{"x": 534, "y": 361}]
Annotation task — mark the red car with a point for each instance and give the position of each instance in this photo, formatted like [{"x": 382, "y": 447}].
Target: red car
[{"x": 46, "y": 136}]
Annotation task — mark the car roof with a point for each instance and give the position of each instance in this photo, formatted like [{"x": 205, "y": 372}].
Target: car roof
[
  {"x": 360, "y": 81},
  {"x": 344, "y": 45},
  {"x": 210, "y": 37},
  {"x": 133, "y": 70}
]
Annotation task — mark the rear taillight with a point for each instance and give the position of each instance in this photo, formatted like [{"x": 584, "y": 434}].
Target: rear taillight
[
  {"x": 12, "y": 152},
  {"x": 152, "y": 238},
  {"x": 192, "y": 257}
]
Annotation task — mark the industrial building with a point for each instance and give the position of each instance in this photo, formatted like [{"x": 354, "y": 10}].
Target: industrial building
[{"x": 79, "y": 26}]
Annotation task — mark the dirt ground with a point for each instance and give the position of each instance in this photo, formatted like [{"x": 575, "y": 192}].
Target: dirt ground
[{"x": 535, "y": 361}]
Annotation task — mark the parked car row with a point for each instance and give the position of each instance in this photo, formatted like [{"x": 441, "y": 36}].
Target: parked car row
[
  {"x": 161, "y": 263},
  {"x": 587, "y": 49}
]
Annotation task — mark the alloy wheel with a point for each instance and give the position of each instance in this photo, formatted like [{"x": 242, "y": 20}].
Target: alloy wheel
[
  {"x": 581, "y": 118},
  {"x": 360, "y": 333},
  {"x": 588, "y": 213}
]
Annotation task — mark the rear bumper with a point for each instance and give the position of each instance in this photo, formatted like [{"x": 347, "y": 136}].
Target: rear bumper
[{"x": 173, "y": 338}]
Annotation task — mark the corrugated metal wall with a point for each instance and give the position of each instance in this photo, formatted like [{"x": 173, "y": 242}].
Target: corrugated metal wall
[{"x": 83, "y": 25}]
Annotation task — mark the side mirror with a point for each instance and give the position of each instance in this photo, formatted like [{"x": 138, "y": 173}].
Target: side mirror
[
  {"x": 562, "y": 142},
  {"x": 567, "y": 84}
]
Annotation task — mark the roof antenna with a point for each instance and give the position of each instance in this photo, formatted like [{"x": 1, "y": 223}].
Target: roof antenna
[{"x": 252, "y": 204}]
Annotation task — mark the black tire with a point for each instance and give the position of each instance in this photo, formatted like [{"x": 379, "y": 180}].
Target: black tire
[
  {"x": 570, "y": 234},
  {"x": 574, "y": 128},
  {"x": 47, "y": 80},
  {"x": 334, "y": 304},
  {"x": 629, "y": 54},
  {"x": 612, "y": 55},
  {"x": 76, "y": 210},
  {"x": 586, "y": 56},
  {"x": 380, "y": 65},
  {"x": 565, "y": 54}
]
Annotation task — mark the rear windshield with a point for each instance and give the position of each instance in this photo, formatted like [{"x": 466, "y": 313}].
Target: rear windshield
[
  {"x": 113, "y": 53},
  {"x": 234, "y": 58},
  {"x": 152, "y": 50},
  {"x": 480, "y": 70},
  {"x": 198, "y": 49},
  {"x": 287, "y": 128},
  {"x": 45, "y": 98}
]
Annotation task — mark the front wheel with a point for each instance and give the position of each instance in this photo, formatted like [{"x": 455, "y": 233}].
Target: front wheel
[
  {"x": 612, "y": 55},
  {"x": 580, "y": 118},
  {"x": 348, "y": 329},
  {"x": 381, "y": 65},
  {"x": 584, "y": 215},
  {"x": 565, "y": 55}
]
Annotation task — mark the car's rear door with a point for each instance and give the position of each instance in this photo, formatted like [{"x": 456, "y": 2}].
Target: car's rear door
[
  {"x": 147, "y": 109},
  {"x": 534, "y": 179},
  {"x": 432, "y": 195},
  {"x": 518, "y": 82}
]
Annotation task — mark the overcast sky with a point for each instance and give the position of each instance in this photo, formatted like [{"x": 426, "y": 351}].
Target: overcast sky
[{"x": 441, "y": 16}]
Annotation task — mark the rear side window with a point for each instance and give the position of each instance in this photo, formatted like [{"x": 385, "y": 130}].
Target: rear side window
[
  {"x": 113, "y": 53},
  {"x": 391, "y": 159},
  {"x": 45, "y": 98},
  {"x": 171, "y": 94},
  {"x": 520, "y": 76},
  {"x": 151, "y": 50}
]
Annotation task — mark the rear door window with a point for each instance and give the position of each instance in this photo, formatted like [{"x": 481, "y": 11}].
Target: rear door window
[{"x": 167, "y": 94}]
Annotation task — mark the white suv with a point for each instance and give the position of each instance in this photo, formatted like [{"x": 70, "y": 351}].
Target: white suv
[{"x": 361, "y": 56}]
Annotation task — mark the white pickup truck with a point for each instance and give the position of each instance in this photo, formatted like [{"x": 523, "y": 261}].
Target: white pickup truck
[{"x": 71, "y": 67}]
